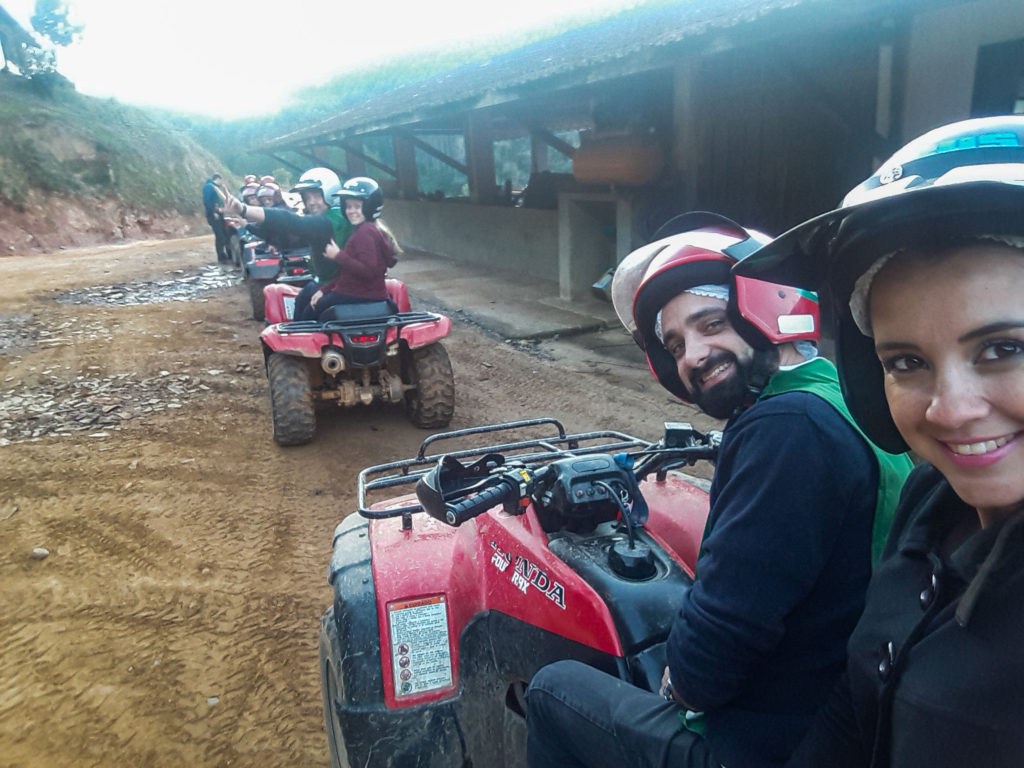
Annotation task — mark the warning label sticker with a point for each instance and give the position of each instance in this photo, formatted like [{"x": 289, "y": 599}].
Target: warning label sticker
[{"x": 420, "y": 656}]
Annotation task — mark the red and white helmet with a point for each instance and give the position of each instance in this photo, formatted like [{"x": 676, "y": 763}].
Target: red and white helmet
[
  {"x": 700, "y": 248},
  {"x": 249, "y": 191}
]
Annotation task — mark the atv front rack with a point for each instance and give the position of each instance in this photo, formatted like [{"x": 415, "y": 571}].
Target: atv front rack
[{"x": 530, "y": 452}]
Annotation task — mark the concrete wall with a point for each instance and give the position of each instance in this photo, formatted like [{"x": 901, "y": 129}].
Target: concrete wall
[
  {"x": 524, "y": 239},
  {"x": 943, "y": 53}
]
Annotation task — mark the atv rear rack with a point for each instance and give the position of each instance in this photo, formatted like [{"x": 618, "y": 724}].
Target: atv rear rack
[
  {"x": 397, "y": 320},
  {"x": 531, "y": 452}
]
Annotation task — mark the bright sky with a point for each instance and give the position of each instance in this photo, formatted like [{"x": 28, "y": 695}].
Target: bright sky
[{"x": 237, "y": 58}]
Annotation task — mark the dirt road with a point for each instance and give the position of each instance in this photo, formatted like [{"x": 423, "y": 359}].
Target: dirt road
[{"x": 174, "y": 621}]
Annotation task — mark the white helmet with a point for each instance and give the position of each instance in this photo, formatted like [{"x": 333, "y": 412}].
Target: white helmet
[{"x": 324, "y": 179}]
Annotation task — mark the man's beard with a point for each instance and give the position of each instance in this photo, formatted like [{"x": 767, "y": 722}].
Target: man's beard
[{"x": 738, "y": 391}]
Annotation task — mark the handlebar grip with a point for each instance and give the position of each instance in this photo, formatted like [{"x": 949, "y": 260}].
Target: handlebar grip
[{"x": 461, "y": 511}]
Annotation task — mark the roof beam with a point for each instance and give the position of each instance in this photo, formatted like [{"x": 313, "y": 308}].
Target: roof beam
[
  {"x": 285, "y": 162},
  {"x": 317, "y": 162},
  {"x": 552, "y": 141},
  {"x": 432, "y": 151},
  {"x": 358, "y": 152}
]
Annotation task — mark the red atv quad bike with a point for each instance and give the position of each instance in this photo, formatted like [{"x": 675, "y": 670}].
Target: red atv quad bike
[
  {"x": 356, "y": 353},
  {"x": 509, "y": 556}
]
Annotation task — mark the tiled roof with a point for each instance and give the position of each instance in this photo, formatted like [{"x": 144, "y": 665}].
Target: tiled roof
[{"x": 581, "y": 55}]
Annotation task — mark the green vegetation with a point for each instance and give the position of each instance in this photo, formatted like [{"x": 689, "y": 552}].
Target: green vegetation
[{"x": 53, "y": 140}]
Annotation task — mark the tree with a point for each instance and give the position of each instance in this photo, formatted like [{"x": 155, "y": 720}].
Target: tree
[{"x": 51, "y": 21}]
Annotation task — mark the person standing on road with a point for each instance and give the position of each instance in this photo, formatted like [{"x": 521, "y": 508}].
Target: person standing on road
[
  {"x": 924, "y": 262},
  {"x": 321, "y": 224},
  {"x": 213, "y": 204},
  {"x": 367, "y": 255},
  {"x": 799, "y": 501}
]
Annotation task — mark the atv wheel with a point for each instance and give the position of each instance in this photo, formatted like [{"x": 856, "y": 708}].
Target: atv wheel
[
  {"x": 291, "y": 399},
  {"x": 432, "y": 403},
  {"x": 331, "y": 690},
  {"x": 256, "y": 297}
]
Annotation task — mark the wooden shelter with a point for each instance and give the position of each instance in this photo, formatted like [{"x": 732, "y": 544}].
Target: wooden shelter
[{"x": 765, "y": 110}]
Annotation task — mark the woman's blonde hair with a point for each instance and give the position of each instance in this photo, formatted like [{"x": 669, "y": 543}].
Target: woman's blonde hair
[{"x": 389, "y": 235}]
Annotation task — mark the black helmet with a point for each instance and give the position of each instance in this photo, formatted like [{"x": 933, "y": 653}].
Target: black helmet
[
  {"x": 367, "y": 190},
  {"x": 954, "y": 184}
]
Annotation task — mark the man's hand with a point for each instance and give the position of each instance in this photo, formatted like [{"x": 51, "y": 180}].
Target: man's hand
[
  {"x": 667, "y": 691},
  {"x": 233, "y": 206},
  {"x": 315, "y": 298},
  {"x": 331, "y": 250}
]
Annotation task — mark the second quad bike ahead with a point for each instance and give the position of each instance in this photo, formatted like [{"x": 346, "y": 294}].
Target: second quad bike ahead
[
  {"x": 262, "y": 266},
  {"x": 512, "y": 554},
  {"x": 355, "y": 354}
]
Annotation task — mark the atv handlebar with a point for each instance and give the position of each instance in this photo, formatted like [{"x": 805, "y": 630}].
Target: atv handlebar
[
  {"x": 504, "y": 491},
  {"x": 521, "y": 477}
]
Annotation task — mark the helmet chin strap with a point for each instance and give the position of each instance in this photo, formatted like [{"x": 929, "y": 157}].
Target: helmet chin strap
[{"x": 763, "y": 365}]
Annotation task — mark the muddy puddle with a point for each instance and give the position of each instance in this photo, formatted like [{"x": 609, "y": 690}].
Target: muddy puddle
[
  {"x": 59, "y": 401},
  {"x": 183, "y": 285}
]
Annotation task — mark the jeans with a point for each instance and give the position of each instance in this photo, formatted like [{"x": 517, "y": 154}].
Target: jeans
[
  {"x": 302, "y": 311},
  {"x": 220, "y": 239},
  {"x": 580, "y": 716}
]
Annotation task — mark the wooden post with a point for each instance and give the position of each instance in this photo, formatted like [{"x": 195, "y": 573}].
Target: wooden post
[
  {"x": 405, "y": 166},
  {"x": 686, "y": 147},
  {"x": 353, "y": 159},
  {"x": 538, "y": 153},
  {"x": 480, "y": 159}
]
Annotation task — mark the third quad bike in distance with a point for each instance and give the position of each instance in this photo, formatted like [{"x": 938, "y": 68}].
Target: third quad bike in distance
[
  {"x": 510, "y": 556},
  {"x": 355, "y": 354}
]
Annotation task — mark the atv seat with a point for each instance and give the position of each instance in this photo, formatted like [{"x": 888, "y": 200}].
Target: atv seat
[{"x": 358, "y": 311}]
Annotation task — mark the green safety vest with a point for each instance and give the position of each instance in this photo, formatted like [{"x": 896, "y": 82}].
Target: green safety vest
[
  {"x": 819, "y": 377},
  {"x": 342, "y": 230}
]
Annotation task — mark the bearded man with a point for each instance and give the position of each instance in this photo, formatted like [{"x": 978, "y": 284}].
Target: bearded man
[{"x": 799, "y": 501}]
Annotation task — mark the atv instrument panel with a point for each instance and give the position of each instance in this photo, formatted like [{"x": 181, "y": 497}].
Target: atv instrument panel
[{"x": 576, "y": 493}]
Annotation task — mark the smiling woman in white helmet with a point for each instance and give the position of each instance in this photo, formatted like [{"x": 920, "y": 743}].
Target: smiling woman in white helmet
[{"x": 924, "y": 266}]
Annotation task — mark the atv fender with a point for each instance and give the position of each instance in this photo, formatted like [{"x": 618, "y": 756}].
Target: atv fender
[
  {"x": 360, "y": 730},
  {"x": 510, "y": 607},
  {"x": 677, "y": 517},
  {"x": 421, "y": 334},
  {"x": 275, "y": 295},
  {"x": 513, "y": 571},
  {"x": 301, "y": 344},
  {"x": 398, "y": 294}
]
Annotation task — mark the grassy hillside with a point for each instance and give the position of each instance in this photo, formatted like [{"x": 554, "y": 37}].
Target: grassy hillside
[{"x": 55, "y": 141}]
